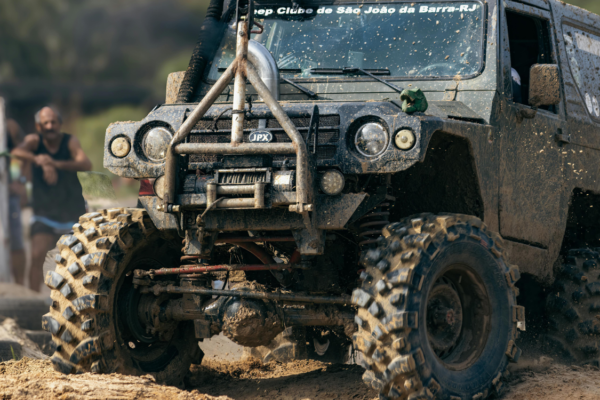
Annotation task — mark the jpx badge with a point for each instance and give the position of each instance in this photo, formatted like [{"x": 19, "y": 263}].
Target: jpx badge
[{"x": 261, "y": 137}]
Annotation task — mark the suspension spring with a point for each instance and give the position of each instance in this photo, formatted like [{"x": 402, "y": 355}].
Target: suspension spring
[{"x": 372, "y": 223}]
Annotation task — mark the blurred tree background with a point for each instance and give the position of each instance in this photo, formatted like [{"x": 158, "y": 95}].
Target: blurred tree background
[
  {"x": 591, "y": 5},
  {"x": 98, "y": 61}
]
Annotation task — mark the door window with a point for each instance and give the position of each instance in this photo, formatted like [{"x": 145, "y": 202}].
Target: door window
[{"x": 529, "y": 42}]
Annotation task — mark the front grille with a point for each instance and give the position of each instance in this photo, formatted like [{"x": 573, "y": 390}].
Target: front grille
[
  {"x": 206, "y": 131},
  {"x": 223, "y": 124},
  {"x": 304, "y": 122}
]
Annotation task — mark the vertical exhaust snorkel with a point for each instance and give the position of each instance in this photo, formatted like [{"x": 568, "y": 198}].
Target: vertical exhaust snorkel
[
  {"x": 262, "y": 60},
  {"x": 206, "y": 47},
  {"x": 265, "y": 65}
]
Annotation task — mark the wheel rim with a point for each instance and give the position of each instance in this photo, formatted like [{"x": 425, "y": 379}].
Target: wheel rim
[
  {"x": 444, "y": 317},
  {"x": 458, "y": 317},
  {"x": 131, "y": 320},
  {"x": 145, "y": 349}
]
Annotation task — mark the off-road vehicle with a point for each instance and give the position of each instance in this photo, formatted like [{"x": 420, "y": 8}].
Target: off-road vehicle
[{"x": 327, "y": 173}]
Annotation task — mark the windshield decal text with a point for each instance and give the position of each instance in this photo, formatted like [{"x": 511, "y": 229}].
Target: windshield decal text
[
  {"x": 366, "y": 10},
  {"x": 461, "y": 8}
]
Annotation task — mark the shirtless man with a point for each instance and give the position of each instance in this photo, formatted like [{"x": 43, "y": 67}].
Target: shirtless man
[{"x": 57, "y": 200}]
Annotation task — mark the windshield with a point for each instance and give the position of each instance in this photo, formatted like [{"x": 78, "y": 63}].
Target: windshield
[{"x": 436, "y": 39}]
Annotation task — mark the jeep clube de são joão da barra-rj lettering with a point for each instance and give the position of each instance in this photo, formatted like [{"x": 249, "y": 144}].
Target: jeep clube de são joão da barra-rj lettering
[{"x": 336, "y": 175}]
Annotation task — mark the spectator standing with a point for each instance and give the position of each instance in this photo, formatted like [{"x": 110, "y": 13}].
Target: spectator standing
[
  {"x": 17, "y": 199},
  {"x": 57, "y": 199}
]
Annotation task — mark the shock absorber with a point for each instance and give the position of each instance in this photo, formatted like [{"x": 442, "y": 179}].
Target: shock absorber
[
  {"x": 188, "y": 259},
  {"x": 371, "y": 224}
]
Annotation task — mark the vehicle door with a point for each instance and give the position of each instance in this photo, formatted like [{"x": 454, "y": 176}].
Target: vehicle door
[
  {"x": 531, "y": 167},
  {"x": 579, "y": 47}
]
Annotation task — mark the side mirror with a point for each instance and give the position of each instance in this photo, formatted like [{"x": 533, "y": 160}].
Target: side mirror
[{"x": 544, "y": 85}]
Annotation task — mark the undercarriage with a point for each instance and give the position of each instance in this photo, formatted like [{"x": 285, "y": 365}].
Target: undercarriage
[{"x": 249, "y": 210}]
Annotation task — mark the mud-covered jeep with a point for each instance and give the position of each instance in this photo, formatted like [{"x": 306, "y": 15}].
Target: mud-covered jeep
[{"x": 327, "y": 173}]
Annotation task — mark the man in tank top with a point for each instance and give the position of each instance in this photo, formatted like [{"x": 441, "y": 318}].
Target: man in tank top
[{"x": 57, "y": 200}]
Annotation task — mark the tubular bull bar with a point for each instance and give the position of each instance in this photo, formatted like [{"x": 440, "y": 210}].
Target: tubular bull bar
[{"x": 240, "y": 69}]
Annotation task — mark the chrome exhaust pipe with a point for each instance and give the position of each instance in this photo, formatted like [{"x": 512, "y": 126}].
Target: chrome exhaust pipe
[
  {"x": 263, "y": 62},
  {"x": 265, "y": 65}
]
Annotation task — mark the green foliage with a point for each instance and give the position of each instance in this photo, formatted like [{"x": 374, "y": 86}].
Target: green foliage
[
  {"x": 91, "y": 129},
  {"x": 94, "y": 41},
  {"x": 176, "y": 63}
]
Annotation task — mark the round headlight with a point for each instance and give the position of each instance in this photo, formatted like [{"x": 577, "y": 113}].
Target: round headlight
[
  {"x": 120, "y": 147},
  {"x": 159, "y": 187},
  {"x": 332, "y": 182},
  {"x": 371, "y": 139},
  {"x": 405, "y": 139},
  {"x": 156, "y": 142}
]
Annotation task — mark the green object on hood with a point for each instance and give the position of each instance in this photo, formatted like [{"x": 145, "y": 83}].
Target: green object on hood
[{"x": 413, "y": 100}]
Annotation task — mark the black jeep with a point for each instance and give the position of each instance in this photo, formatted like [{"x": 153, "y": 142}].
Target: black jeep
[{"x": 365, "y": 188}]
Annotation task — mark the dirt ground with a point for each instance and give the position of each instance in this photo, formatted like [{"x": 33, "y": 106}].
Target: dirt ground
[
  {"x": 299, "y": 380},
  {"x": 224, "y": 376},
  {"x": 36, "y": 379},
  {"x": 558, "y": 382},
  {"x": 293, "y": 381}
]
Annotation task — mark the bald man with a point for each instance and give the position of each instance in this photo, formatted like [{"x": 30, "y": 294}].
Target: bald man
[{"x": 57, "y": 200}]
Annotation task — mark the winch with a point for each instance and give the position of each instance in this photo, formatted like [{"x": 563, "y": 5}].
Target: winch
[{"x": 242, "y": 187}]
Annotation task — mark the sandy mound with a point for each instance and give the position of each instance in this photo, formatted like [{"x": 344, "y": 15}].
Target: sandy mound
[
  {"x": 298, "y": 380},
  {"x": 9, "y": 330},
  {"x": 555, "y": 382},
  {"x": 36, "y": 379}
]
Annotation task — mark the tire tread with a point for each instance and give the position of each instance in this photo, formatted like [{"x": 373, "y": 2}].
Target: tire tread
[{"x": 392, "y": 362}]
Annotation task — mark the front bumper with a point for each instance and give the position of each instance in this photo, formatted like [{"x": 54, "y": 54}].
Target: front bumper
[{"x": 334, "y": 149}]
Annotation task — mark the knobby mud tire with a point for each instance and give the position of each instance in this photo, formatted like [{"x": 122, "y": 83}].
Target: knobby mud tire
[
  {"x": 573, "y": 307},
  {"x": 392, "y": 306},
  {"x": 91, "y": 268}
]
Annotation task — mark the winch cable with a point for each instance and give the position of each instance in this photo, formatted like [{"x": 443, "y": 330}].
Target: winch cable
[
  {"x": 206, "y": 47},
  {"x": 213, "y": 205}
]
